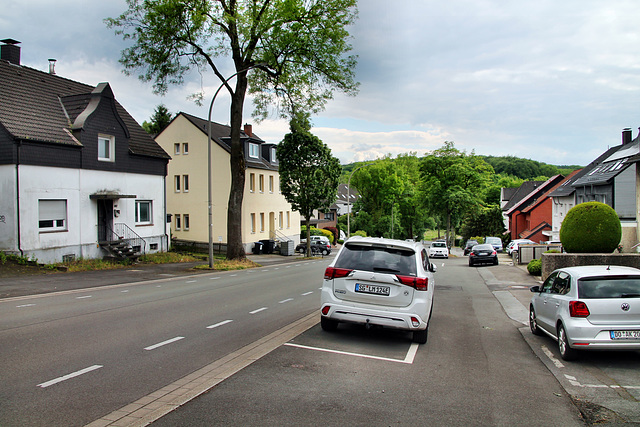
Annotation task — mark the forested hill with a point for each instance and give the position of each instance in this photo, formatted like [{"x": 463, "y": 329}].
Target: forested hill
[{"x": 525, "y": 168}]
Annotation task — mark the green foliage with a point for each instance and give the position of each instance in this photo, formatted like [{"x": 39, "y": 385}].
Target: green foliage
[
  {"x": 483, "y": 221},
  {"x": 591, "y": 227},
  {"x": 535, "y": 267},
  {"x": 160, "y": 120},
  {"x": 479, "y": 239},
  {"x": 360, "y": 233},
  {"x": 524, "y": 168},
  {"x": 313, "y": 231}
]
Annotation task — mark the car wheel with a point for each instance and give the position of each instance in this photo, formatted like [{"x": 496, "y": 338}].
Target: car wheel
[
  {"x": 328, "y": 325},
  {"x": 325, "y": 252},
  {"x": 301, "y": 250},
  {"x": 420, "y": 337},
  {"x": 566, "y": 352},
  {"x": 470, "y": 263},
  {"x": 533, "y": 322},
  {"x": 495, "y": 262}
]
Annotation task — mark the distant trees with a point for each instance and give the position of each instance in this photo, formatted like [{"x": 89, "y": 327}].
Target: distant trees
[{"x": 160, "y": 119}]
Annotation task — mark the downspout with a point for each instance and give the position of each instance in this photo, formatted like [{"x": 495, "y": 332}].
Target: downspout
[
  {"x": 164, "y": 196},
  {"x": 18, "y": 197}
]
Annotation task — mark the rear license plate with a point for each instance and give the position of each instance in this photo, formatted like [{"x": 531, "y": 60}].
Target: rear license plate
[
  {"x": 625, "y": 335},
  {"x": 372, "y": 289}
]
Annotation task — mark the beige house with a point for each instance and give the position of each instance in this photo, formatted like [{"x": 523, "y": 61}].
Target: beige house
[{"x": 266, "y": 213}]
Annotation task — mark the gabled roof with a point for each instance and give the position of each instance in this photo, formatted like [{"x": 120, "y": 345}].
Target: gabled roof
[
  {"x": 44, "y": 107},
  {"x": 344, "y": 193},
  {"x": 521, "y": 192},
  {"x": 534, "y": 194},
  {"x": 609, "y": 164},
  {"x": 527, "y": 234},
  {"x": 565, "y": 188}
]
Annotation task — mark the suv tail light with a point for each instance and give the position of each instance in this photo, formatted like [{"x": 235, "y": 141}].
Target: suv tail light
[
  {"x": 419, "y": 283},
  {"x": 335, "y": 273},
  {"x": 578, "y": 309}
]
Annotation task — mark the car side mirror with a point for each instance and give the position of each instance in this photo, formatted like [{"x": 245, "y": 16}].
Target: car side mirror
[
  {"x": 535, "y": 289},
  {"x": 433, "y": 268}
]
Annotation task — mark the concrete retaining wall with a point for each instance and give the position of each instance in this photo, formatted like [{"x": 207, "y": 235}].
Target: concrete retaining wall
[{"x": 551, "y": 262}]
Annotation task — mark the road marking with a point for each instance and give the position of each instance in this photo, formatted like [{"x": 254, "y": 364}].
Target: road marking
[
  {"x": 224, "y": 322},
  {"x": 232, "y": 275},
  {"x": 213, "y": 278},
  {"x": 86, "y": 296},
  {"x": 125, "y": 291},
  {"x": 574, "y": 382},
  {"x": 172, "y": 340},
  {"x": 258, "y": 310},
  {"x": 69, "y": 376},
  {"x": 285, "y": 300},
  {"x": 307, "y": 293},
  {"x": 407, "y": 360},
  {"x": 191, "y": 281},
  {"x": 24, "y": 305},
  {"x": 550, "y": 355}
]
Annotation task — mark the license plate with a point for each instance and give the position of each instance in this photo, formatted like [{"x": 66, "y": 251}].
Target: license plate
[
  {"x": 372, "y": 289},
  {"x": 625, "y": 335}
]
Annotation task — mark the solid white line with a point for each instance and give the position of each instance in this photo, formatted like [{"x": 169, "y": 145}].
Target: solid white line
[
  {"x": 153, "y": 347},
  {"x": 411, "y": 354},
  {"x": 69, "y": 376},
  {"x": 86, "y": 296},
  {"x": 258, "y": 310},
  {"x": 346, "y": 353},
  {"x": 285, "y": 300},
  {"x": 224, "y": 322},
  {"x": 307, "y": 293}
]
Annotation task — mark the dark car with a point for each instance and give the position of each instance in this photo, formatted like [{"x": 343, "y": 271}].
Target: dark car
[
  {"x": 317, "y": 247},
  {"x": 470, "y": 244},
  {"x": 483, "y": 254}
]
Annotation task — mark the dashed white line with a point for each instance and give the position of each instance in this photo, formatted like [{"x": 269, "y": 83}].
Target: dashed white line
[
  {"x": 307, "y": 293},
  {"x": 191, "y": 281},
  {"x": 69, "y": 376},
  {"x": 285, "y": 300},
  {"x": 258, "y": 310},
  {"x": 172, "y": 340},
  {"x": 213, "y": 278},
  {"x": 84, "y": 297},
  {"x": 224, "y": 322},
  {"x": 25, "y": 305},
  {"x": 125, "y": 291}
]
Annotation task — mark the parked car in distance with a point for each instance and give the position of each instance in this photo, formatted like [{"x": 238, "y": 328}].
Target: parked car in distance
[
  {"x": 470, "y": 244},
  {"x": 317, "y": 246},
  {"x": 588, "y": 308},
  {"x": 515, "y": 244},
  {"x": 381, "y": 282},
  {"x": 496, "y": 242},
  {"x": 483, "y": 254},
  {"x": 438, "y": 249}
]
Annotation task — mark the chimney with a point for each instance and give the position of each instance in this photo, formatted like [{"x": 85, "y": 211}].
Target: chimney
[
  {"x": 10, "y": 51},
  {"x": 52, "y": 66},
  {"x": 248, "y": 129},
  {"x": 626, "y": 136}
]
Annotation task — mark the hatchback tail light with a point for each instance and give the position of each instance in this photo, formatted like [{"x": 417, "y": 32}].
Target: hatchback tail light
[
  {"x": 335, "y": 273},
  {"x": 494, "y": 253},
  {"x": 578, "y": 309},
  {"x": 419, "y": 283}
]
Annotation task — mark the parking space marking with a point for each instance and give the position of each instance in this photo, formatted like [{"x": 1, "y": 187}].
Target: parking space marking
[
  {"x": 551, "y": 357},
  {"x": 407, "y": 360},
  {"x": 69, "y": 376},
  {"x": 574, "y": 382}
]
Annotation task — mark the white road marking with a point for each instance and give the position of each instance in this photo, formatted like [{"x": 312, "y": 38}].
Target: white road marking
[
  {"x": 307, "y": 293},
  {"x": 69, "y": 376},
  {"x": 191, "y": 281},
  {"x": 125, "y": 291},
  {"x": 550, "y": 355},
  {"x": 411, "y": 354},
  {"x": 232, "y": 275},
  {"x": 172, "y": 340},
  {"x": 213, "y": 278},
  {"x": 258, "y": 310},
  {"x": 285, "y": 300},
  {"x": 224, "y": 322},
  {"x": 24, "y": 305},
  {"x": 407, "y": 360},
  {"x": 86, "y": 296}
]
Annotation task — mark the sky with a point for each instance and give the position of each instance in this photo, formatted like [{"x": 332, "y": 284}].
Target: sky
[{"x": 552, "y": 81}]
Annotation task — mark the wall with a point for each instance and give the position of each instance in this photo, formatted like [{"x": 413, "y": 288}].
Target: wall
[
  {"x": 551, "y": 262},
  {"x": 8, "y": 221}
]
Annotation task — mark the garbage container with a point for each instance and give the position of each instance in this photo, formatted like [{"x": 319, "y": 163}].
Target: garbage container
[
  {"x": 257, "y": 248},
  {"x": 267, "y": 246}
]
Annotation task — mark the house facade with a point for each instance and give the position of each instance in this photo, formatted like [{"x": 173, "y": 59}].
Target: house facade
[
  {"x": 77, "y": 173},
  {"x": 266, "y": 215}
]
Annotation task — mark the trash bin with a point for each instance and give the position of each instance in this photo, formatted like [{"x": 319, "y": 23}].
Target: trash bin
[
  {"x": 267, "y": 246},
  {"x": 257, "y": 248}
]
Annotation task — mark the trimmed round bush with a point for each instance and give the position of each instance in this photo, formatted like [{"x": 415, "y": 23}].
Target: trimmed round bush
[
  {"x": 535, "y": 267},
  {"x": 591, "y": 227}
]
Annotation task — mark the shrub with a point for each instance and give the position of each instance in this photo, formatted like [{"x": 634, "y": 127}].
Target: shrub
[
  {"x": 360, "y": 233},
  {"x": 591, "y": 227},
  {"x": 535, "y": 267},
  {"x": 334, "y": 234}
]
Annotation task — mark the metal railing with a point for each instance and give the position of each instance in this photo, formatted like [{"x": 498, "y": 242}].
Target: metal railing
[{"x": 123, "y": 232}]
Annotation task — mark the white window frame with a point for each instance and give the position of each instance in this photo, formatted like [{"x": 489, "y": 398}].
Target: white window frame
[
  {"x": 52, "y": 215},
  {"x": 185, "y": 148},
  {"x": 273, "y": 155},
  {"x": 185, "y": 183},
  {"x": 139, "y": 221},
  {"x": 185, "y": 222},
  {"x": 252, "y": 182},
  {"x": 176, "y": 148},
  {"x": 110, "y": 142},
  {"x": 178, "y": 223},
  {"x": 176, "y": 183},
  {"x": 254, "y": 150}
]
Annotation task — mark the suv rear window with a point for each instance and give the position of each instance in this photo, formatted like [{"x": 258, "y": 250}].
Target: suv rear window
[
  {"x": 378, "y": 258},
  {"x": 609, "y": 287}
]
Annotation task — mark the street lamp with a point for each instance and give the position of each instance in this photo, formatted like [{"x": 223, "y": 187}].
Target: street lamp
[
  {"x": 349, "y": 198},
  {"x": 209, "y": 172}
]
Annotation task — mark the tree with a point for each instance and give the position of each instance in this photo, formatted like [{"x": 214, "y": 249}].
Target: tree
[
  {"x": 160, "y": 119},
  {"x": 308, "y": 174},
  {"x": 297, "y": 51},
  {"x": 453, "y": 183},
  {"x": 483, "y": 221}
]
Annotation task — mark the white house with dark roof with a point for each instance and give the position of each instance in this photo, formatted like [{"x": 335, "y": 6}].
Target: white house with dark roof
[{"x": 78, "y": 176}]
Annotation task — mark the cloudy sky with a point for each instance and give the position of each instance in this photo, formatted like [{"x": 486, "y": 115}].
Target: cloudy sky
[{"x": 553, "y": 81}]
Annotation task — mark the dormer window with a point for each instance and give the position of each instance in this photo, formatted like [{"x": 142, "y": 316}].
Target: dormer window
[
  {"x": 273, "y": 155},
  {"x": 106, "y": 148},
  {"x": 254, "y": 150}
]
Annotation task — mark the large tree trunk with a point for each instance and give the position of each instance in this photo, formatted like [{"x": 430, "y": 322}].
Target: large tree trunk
[
  {"x": 235, "y": 248},
  {"x": 307, "y": 223}
]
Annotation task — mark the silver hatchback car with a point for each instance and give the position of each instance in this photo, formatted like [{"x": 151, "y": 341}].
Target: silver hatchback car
[
  {"x": 588, "y": 308},
  {"x": 382, "y": 282}
]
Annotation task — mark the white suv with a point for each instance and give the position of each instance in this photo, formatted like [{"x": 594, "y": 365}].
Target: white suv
[{"x": 380, "y": 282}]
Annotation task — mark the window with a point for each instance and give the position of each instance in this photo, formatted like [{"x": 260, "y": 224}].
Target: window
[
  {"x": 176, "y": 180},
  {"x": 261, "y": 221},
  {"x": 261, "y": 183},
  {"x": 288, "y": 219},
  {"x": 252, "y": 182},
  {"x": 254, "y": 150},
  {"x": 178, "y": 222},
  {"x": 52, "y": 215},
  {"x": 185, "y": 148},
  {"x": 143, "y": 212},
  {"x": 270, "y": 183},
  {"x": 280, "y": 220},
  {"x": 176, "y": 148},
  {"x": 253, "y": 223},
  {"x": 185, "y": 218},
  {"x": 185, "y": 183},
  {"x": 330, "y": 216},
  {"x": 106, "y": 145},
  {"x": 273, "y": 155}
]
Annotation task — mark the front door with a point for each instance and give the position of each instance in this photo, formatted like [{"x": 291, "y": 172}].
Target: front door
[{"x": 105, "y": 220}]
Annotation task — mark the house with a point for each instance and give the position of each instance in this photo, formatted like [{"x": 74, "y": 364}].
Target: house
[
  {"x": 79, "y": 177},
  {"x": 266, "y": 214},
  {"x": 345, "y": 199},
  {"x": 562, "y": 200}
]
